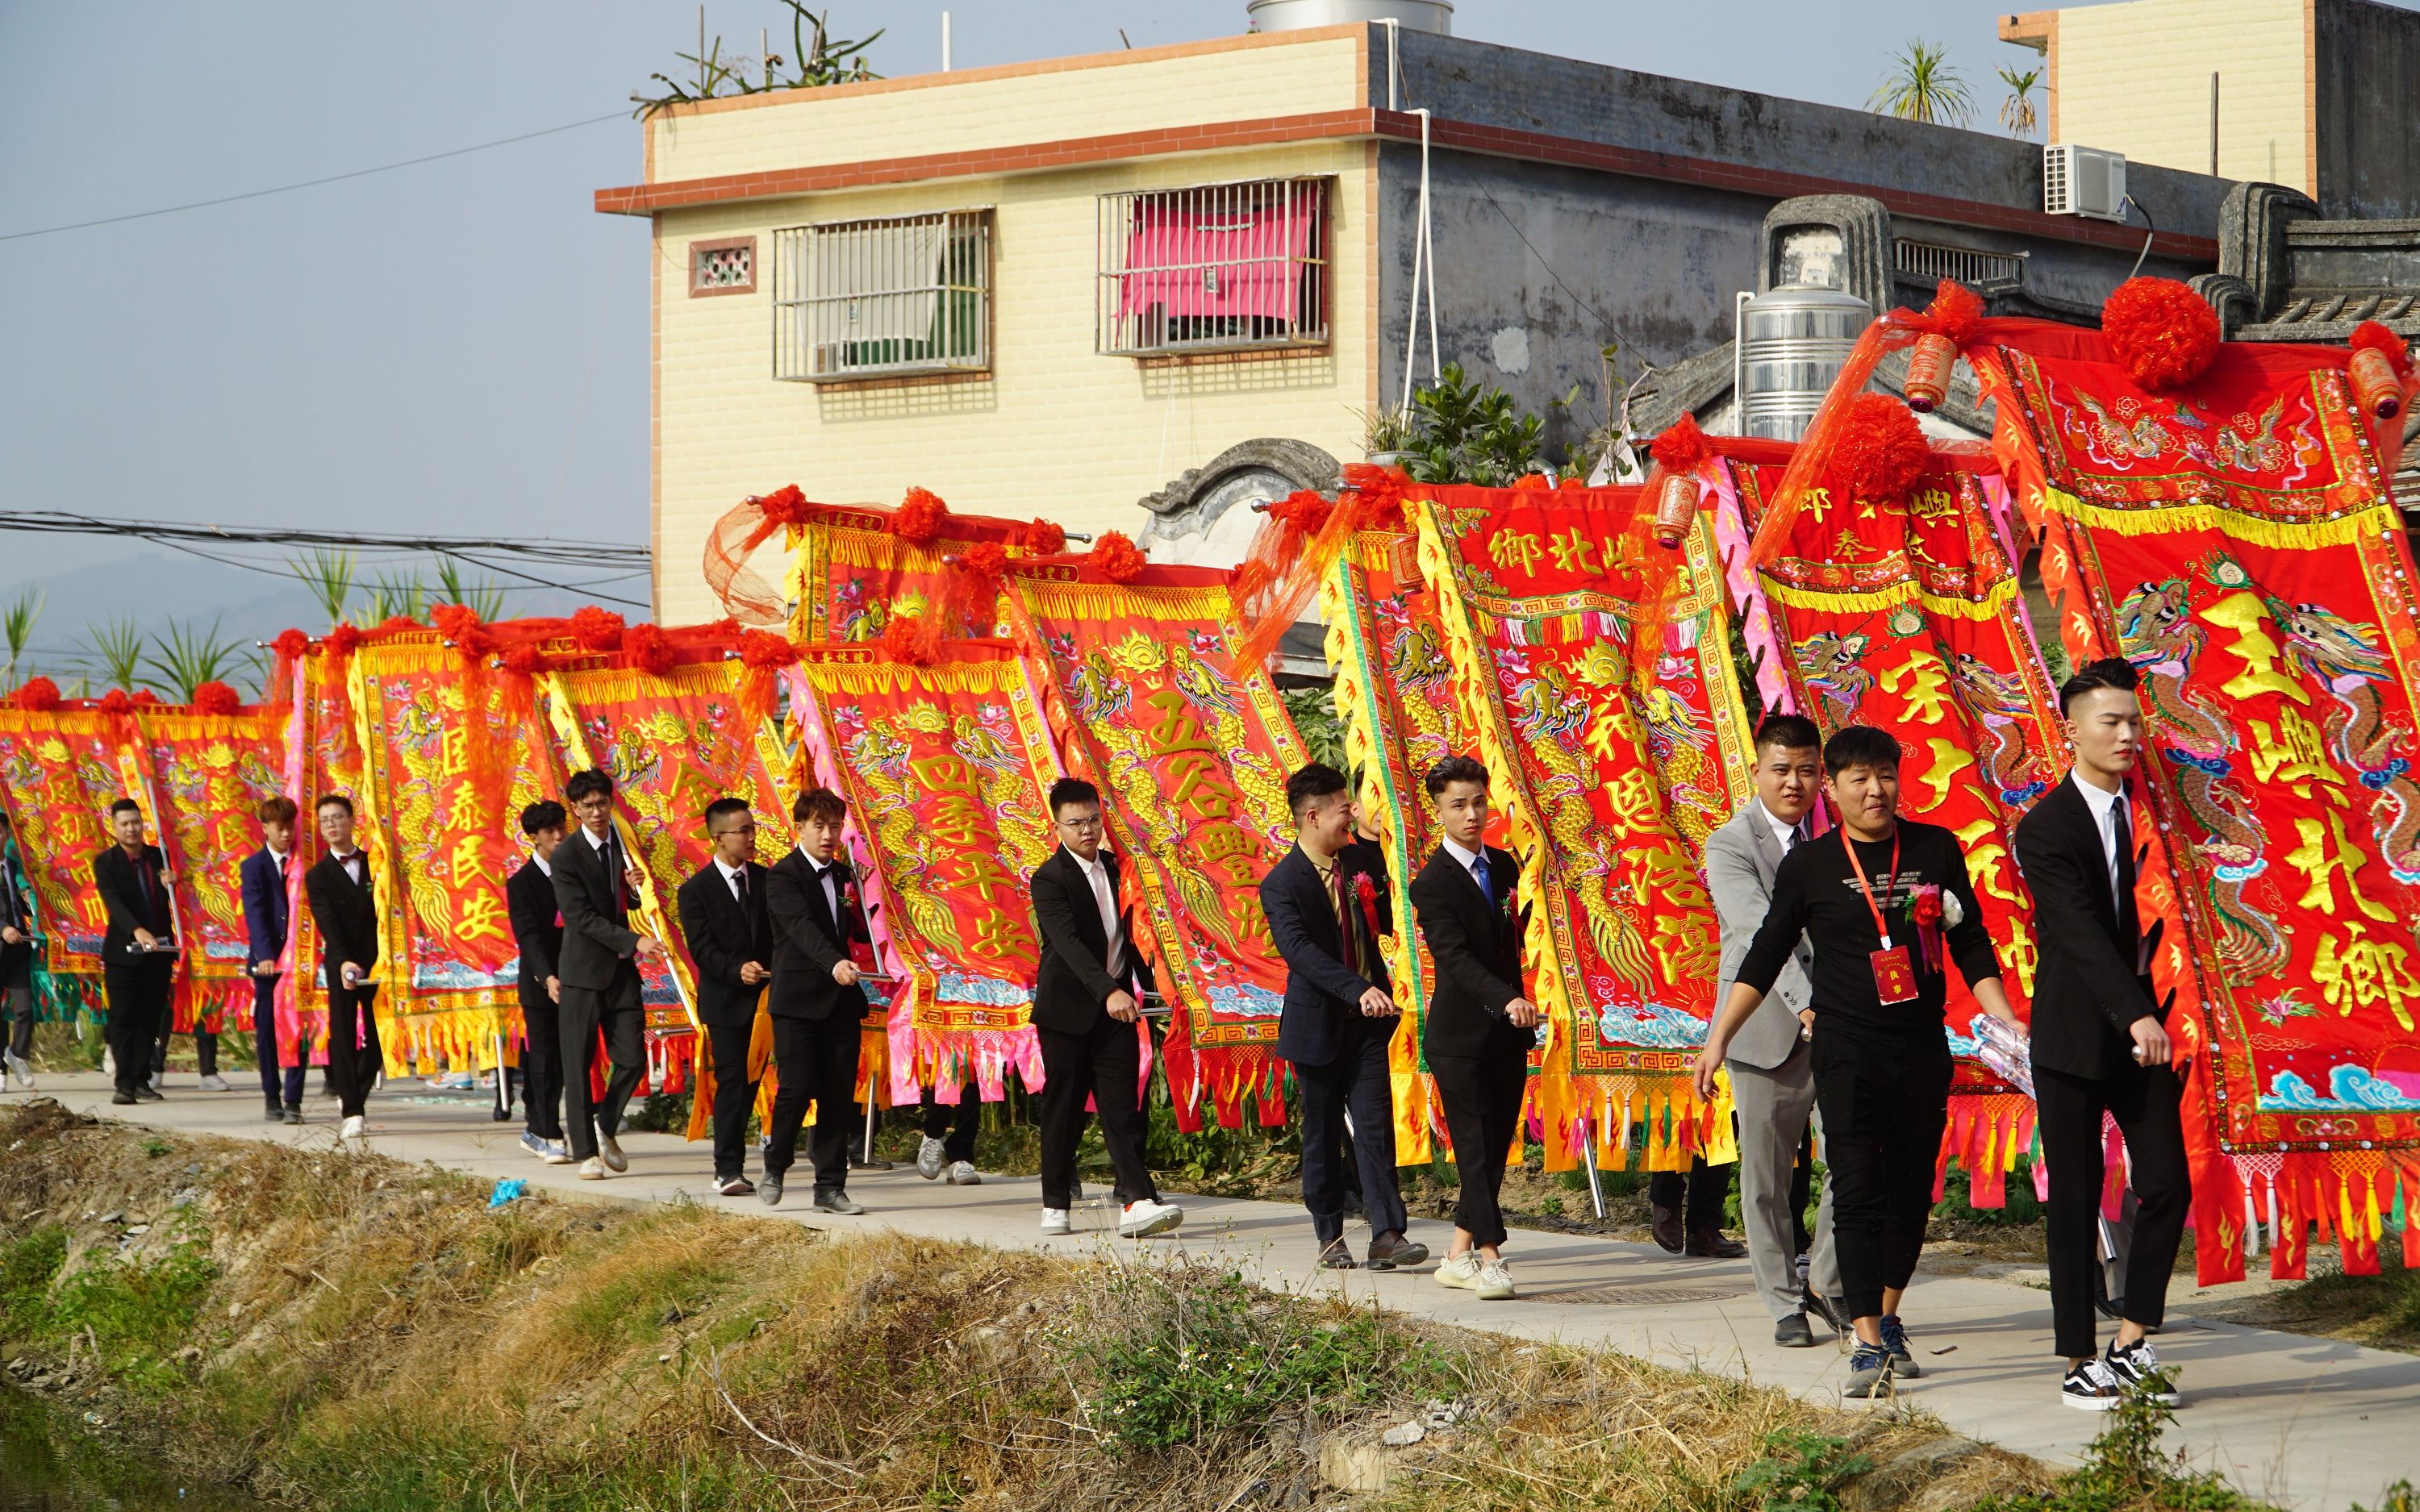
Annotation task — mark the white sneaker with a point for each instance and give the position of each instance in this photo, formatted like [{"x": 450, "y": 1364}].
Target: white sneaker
[
  {"x": 354, "y": 1130},
  {"x": 215, "y": 1082},
  {"x": 592, "y": 1169},
  {"x": 109, "y": 1064},
  {"x": 1460, "y": 1271},
  {"x": 1054, "y": 1221},
  {"x": 556, "y": 1153},
  {"x": 20, "y": 1070},
  {"x": 929, "y": 1159},
  {"x": 1148, "y": 1218},
  {"x": 1494, "y": 1283},
  {"x": 963, "y": 1173}
]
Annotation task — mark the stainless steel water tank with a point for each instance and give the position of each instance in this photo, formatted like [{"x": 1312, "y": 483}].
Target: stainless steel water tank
[
  {"x": 1793, "y": 340},
  {"x": 1295, "y": 15}
]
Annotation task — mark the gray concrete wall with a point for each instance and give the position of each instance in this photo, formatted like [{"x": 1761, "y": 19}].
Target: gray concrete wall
[{"x": 2368, "y": 88}]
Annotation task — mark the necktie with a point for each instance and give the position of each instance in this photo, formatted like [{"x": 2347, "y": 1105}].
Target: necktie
[
  {"x": 1479, "y": 870},
  {"x": 1099, "y": 875},
  {"x": 739, "y": 889},
  {"x": 150, "y": 889},
  {"x": 2130, "y": 923}
]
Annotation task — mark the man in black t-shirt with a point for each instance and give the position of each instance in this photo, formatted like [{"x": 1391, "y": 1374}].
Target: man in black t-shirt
[{"x": 1882, "y": 901}]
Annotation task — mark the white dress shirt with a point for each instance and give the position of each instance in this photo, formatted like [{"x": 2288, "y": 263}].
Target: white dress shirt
[
  {"x": 731, "y": 876},
  {"x": 352, "y": 863},
  {"x": 2103, "y": 805},
  {"x": 824, "y": 873},
  {"x": 1468, "y": 861},
  {"x": 1096, "y": 871},
  {"x": 1784, "y": 835}
]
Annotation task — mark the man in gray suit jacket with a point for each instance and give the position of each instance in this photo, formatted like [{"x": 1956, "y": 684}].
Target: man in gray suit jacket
[{"x": 1772, "y": 1085}]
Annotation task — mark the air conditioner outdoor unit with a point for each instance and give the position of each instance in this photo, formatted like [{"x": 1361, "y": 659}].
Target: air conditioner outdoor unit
[{"x": 2084, "y": 182}]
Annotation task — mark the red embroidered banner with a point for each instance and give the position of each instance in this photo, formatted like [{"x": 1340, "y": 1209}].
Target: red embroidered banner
[
  {"x": 206, "y": 775},
  {"x": 946, "y": 768},
  {"x": 1909, "y": 618},
  {"x": 2235, "y": 540},
  {"x": 852, "y": 574},
  {"x": 1612, "y": 780},
  {"x": 61, "y": 773},
  {"x": 1191, "y": 761}
]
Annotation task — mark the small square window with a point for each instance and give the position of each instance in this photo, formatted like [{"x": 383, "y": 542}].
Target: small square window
[{"x": 726, "y": 266}]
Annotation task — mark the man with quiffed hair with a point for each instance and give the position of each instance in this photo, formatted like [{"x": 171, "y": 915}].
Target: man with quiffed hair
[
  {"x": 815, "y": 1003},
  {"x": 730, "y": 939},
  {"x": 597, "y": 885},
  {"x": 264, "y": 876},
  {"x": 138, "y": 951},
  {"x": 343, "y": 896}
]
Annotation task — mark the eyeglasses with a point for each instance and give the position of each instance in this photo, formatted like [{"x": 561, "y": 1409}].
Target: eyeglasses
[
  {"x": 737, "y": 830},
  {"x": 1080, "y": 826}
]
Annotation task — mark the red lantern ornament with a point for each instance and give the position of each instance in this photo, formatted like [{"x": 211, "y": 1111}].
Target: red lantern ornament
[
  {"x": 37, "y": 695},
  {"x": 2162, "y": 334},
  {"x": 1679, "y": 451},
  {"x": 2380, "y": 365}
]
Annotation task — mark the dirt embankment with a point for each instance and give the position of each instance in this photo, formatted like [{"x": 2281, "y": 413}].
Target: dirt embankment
[{"x": 349, "y": 1332}]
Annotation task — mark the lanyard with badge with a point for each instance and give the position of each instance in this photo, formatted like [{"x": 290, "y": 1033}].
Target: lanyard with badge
[{"x": 1894, "y": 977}]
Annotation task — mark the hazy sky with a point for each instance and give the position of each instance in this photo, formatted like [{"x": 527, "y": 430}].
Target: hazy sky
[{"x": 462, "y": 345}]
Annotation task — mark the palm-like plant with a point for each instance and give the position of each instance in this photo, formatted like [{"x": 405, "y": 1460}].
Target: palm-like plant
[
  {"x": 482, "y": 595},
  {"x": 330, "y": 576},
  {"x": 183, "y": 657},
  {"x": 1923, "y": 86},
  {"x": 117, "y": 655},
  {"x": 2017, "y": 111},
  {"x": 17, "y": 624},
  {"x": 396, "y": 593}
]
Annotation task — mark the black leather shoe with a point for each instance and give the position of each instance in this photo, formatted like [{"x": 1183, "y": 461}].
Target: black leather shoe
[
  {"x": 1791, "y": 1333},
  {"x": 293, "y": 1117},
  {"x": 1392, "y": 1251},
  {"x": 123, "y": 1100},
  {"x": 839, "y": 1202},
  {"x": 149, "y": 1094},
  {"x": 858, "y": 1162},
  {"x": 1334, "y": 1256},
  {"x": 274, "y": 1114},
  {"x": 769, "y": 1190},
  {"x": 1667, "y": 1229},
  {"x": 1819, "y": 1305},
  {"x": 1711, "y": 1244}
]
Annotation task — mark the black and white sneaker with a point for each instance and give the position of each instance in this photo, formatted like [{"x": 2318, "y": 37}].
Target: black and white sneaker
[
  {"x": 2090, "y": 1388},
  {"x": 2136, "y": 1369},
  {"x": 1895, "y": 1341},
  {"x": 1869, "y": 1372}
]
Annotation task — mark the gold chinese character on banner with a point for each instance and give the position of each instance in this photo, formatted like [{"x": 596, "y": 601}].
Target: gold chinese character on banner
[
  {"x": 2363, "y": 971},
  {"x": 2297, "y": 754},
  {"x": 1177, "y": 728},
  {"x": 1200, "y": 784},
  {"x": 980, "y": 873},
  {"x": 2323, "y": 854},
  {"x": 1984, "y": 854},
  {"x": 469, "y": 862},
  {"x": 1928, "y": 687},
  {"x": 959, "y": 819},
  {"x": 1229, "y": 850},
  {"x": 1515, "y": 550},
  {"x": 1948, "y": 759},
  {"x": 1687, "y": 949},
  {"x": 2242, "y": 613},
  {"x": 946, "y": 774},
  {"x": 998, "y": 933},
  {"x": 1574, "y": 552},
  {"x": 482, "y": 917}
]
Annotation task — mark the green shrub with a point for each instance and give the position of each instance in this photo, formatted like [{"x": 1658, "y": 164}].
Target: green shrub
[
  {"x": 2123, "y": 1469},
  {"x": 134, "y": 1311},
  {"x": 1800, "y": 1468},
  {"x": 28, "y": 1264}
]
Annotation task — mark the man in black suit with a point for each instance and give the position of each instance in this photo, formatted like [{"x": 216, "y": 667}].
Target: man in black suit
[
  {"x": 2100, "y": 1043},
  {"x": 264, "y": 875},
  {"x": 1327, "y": 920},
  {"x": 344, "y": 908},
  {"x": 596, "y": 884},
  {"x": 1480, "y": 1024},
  {"x": 1085, "y": 1009},
  {"x": 537, "y": 929},
  {"x": 815, "y": 1003},
  {"x": 730, "y": 939},
  {"x": 16, "y": 962},
  {"x": 138, "y": 952}
]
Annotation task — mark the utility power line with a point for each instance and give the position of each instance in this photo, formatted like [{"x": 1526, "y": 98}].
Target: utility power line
[
  {"x": 532, "y": 549},
  {"x": 313, "y": 183}
]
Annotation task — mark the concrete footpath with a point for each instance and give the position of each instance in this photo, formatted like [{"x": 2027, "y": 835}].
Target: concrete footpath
[{"x": 2312, "y": 1425}]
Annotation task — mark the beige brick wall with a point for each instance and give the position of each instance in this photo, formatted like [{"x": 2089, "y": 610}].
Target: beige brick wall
[
  {"x": 1104, "y": 95},
  {"x": 1056, "y": 430},
  {"x": 2134, "y": 78}
]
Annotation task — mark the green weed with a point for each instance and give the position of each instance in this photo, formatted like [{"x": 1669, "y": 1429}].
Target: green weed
[
  {"x": 2123, "y": 1469},
  {"x": 1800, "y": 1470}
]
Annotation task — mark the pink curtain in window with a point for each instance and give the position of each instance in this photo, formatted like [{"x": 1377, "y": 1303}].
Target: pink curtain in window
[{"x": 1196, "y": 262}]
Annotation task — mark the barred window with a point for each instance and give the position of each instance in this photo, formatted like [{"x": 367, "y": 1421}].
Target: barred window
[
  {"x": 1216, "y": 268},
  {"x": 1932, "y": 261},
  {"x": 870, "y": 298}
]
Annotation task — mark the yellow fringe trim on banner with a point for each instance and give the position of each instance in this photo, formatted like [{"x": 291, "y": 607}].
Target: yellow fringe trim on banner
[
  {"x": 1906, "y": 591},
  {"x": 2370, "y": 520},
  {"x": 834, "y": 674},
  {"x": 619, "y": 685},
  {"x": 1099, "y": 601}
]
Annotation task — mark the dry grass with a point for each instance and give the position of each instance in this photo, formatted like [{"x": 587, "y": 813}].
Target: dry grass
[{"x": 374, "y": 1338}]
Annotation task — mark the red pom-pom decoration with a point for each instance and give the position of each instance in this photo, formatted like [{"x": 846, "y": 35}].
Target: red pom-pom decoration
[
  {"x": 144, "y": 698},
  {"x": 784, "y": 505},
  {"x": 1381, "y": 491},
  {"x": 1533, "y": 483},
  {"x": 344, "y": 640},
  {"x": 1116, "y": 558},
  {"x": 903, "y": 639},
  {"x": 762, "y": 648},
  {"x": 1955, "y": 312},
  {"x": 524, "y": 659},
  {"x": 596, "y": 629},
  {"x": 39, "y": 695},
  {"x": 1306, "y": 509},
  {"x": 986, "y": 560},
  {"x": 1044, "y": 539},
  {"x": 216, "y": 698},
  {"x": 399, "y": 621},
  {"x": 290, "y": 644},
  {"x": 920, "y": 518},
  {"x": 1881, "y": 452},
  {"x": 1682, "y": 446},
  {"x": 648, "y": 649},
  {"x": 461, "y": 624},
  {"x": 2162, "y": 334},
  {"x": 117, "y": 702}
]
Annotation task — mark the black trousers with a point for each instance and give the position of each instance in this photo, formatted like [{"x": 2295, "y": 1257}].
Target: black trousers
[
  {"x": 1883, "y": 1106},
  {"x": 814, "y": 1060},
  {"x": 579, "y": 1016},
  {"x": 138, "y": 1011},
  {"x": 2143, "y": 1100},
  {"x": 955, "y": 1127},
  {"x": 1699, "y": 1194},
  {"x": 279, "y": 1088},
  {"x": 17, "y": 1006},
  {"x": 1105, "y": 1065},
  {"x": 733, "y": 1095},
  {"x": 206, "y": 1048},
  {"x": 1357, "y": 1080},
  {"x": 1483, "y": 1107},
  {"x": 541, "y": 1064},
  {"x": 352, "y": 1046}
]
